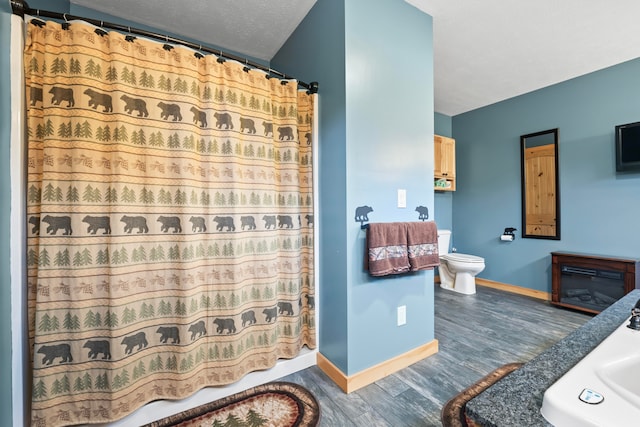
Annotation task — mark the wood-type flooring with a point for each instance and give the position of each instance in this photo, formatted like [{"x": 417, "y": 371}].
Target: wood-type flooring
[{"x": 475, "y": 333}]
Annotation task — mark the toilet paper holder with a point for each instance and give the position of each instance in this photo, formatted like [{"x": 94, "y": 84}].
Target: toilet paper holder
[{"x": 508, "y": 235}]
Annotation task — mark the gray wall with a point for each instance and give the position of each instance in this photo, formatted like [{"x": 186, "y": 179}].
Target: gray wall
[{"x": 599, "y": 208}]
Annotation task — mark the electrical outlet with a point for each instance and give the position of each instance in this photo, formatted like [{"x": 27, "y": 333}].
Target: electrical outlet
[{"x": 402, "y": 315}]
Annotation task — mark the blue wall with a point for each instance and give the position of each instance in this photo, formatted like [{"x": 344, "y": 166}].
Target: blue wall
[
  {"x": 443, "y": 125},
  {"x": 443, "y": 210},
  {"x": 389, "y": 146},
  {"x": 599, "y": 208},
  {"x": 316, "y": 52},
  {"x": 375, "y": 140}
]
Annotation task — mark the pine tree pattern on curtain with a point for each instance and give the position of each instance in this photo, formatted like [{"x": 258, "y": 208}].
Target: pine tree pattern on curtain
[{"x": 170, "y": 222}]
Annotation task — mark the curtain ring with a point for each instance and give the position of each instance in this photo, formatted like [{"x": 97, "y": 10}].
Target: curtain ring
[
  {"x": 130, "y": 37},
  {"x": 65, "y": 25}
]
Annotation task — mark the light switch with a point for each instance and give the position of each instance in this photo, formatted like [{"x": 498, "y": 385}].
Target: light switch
[{"x": 402, "y": 198}]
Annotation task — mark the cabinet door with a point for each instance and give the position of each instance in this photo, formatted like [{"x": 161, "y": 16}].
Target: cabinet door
[
  {"x": 437, "y": 155},
  {"x": 444, "y": 155},
  {"x": 444, "y": 173}
]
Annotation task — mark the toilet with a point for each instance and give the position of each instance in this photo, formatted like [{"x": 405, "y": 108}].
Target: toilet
[{"x": 457, "y": 271}]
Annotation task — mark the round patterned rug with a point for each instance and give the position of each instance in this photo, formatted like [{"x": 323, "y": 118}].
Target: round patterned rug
[{"x": 280, "y": 404}]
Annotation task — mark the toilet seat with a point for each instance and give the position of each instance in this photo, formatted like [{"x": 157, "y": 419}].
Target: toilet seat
[{"x": 455, "y": 256}]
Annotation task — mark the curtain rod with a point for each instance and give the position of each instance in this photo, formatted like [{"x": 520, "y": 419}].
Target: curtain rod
[{"x": 20, "y": 8}]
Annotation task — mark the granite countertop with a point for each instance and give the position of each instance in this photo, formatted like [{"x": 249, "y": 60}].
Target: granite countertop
[{"x": 516, "y": 399}]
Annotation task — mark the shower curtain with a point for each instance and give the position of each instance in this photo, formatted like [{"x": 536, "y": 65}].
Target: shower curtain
[{"x": 170, "y": 221}]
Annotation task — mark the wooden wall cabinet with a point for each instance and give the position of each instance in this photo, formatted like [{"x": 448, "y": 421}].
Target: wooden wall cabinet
[
  {"x": 444, "y": 174},
  {"x": 589, "y": 282}
]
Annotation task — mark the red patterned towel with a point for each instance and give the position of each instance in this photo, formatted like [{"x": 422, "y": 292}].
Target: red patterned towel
[
  {"x": 422, "y": 240},
  {"x": 387, "y": 248}
]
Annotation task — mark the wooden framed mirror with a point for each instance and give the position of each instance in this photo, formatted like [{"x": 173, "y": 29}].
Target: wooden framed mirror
[{"x": 540, "y": 185}]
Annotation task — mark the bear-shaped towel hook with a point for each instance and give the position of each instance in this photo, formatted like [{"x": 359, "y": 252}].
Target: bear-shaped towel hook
[
  {"x": 423, "y": 213},
  {"x": 362, "y": 215}
]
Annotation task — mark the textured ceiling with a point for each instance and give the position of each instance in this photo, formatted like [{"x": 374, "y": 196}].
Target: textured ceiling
[
  {"x": 490, "y": 50},
  {"x": 484, "y": 51},
  {"x": 256, "y": 28}
]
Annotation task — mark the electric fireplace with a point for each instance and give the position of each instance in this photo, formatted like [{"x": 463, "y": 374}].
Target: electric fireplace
[{"x": 591, "y": 283}]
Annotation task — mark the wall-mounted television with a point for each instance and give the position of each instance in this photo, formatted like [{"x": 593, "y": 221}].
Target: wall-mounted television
[{"x": 628, "y": 147}]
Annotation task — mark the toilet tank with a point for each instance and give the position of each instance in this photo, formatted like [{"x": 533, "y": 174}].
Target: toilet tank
[{"x": 444, "y": 237}]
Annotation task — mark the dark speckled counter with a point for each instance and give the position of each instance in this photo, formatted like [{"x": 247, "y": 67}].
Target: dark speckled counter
[{"x": 516, "y": 399}]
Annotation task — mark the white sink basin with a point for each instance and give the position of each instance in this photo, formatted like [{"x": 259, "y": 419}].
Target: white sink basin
[
  {"x": 603, "y": 389},
  {"x": 623, "y": 376}
]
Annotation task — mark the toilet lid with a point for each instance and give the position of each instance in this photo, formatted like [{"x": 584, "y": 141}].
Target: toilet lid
[{"x": 462, "y": 257}]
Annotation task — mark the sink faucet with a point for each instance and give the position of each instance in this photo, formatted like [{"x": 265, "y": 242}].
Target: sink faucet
[{"x": 634, "y": 322}]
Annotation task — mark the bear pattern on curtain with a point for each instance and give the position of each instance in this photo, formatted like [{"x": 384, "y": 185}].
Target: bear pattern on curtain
[{"x": 170, "y": 222}]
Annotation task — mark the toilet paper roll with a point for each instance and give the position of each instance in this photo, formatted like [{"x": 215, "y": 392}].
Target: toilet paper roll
[{"x": 506, "y": 238}]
